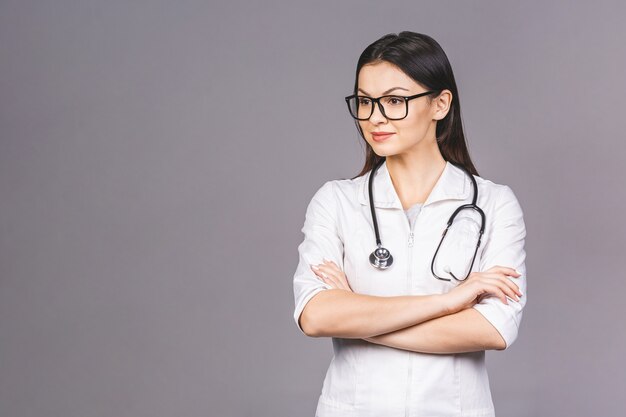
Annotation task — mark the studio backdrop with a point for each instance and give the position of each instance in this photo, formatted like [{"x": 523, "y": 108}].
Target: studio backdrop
[{"x": 157, "y": 158}]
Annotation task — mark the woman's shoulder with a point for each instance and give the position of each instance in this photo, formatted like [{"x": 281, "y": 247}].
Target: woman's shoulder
[
  {"x": 496, "y": 193},
  {"x": 338, "y": 192},
  {"x": 487, "y": 185}
]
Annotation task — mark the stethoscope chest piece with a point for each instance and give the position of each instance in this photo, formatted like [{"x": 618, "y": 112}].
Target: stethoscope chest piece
[{"x": 381, "y": 258}]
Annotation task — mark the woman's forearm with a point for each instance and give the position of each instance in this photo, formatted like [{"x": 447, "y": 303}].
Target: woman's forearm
[
  {"x": 340, "y": 313},
  {"x": 465, "y": 331}
]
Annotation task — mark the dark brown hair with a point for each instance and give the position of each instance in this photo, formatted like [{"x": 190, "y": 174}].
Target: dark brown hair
[{"x": 420, "y": 57}]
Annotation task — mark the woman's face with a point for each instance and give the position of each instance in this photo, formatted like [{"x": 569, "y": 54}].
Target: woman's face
[{"x": 417, "y": 129}]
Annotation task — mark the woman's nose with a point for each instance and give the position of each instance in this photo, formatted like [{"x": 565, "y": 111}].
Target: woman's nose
[{"x": 377, "y": 116}]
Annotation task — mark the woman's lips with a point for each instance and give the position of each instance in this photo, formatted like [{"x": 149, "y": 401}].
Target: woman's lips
[{"x": 381, "y": 137}]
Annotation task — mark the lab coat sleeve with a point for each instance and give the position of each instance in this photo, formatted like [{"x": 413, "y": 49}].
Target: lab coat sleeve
[
  {"x": 321, "y": 240},
  {"x": 505, "y": 247}
]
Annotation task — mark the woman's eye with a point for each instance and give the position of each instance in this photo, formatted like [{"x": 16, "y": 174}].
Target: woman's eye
[
  {"x": 364, "y": 102},
  {"x": 393, "y": 101}
]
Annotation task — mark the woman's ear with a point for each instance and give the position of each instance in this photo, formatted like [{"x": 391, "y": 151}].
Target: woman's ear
[{"x": 441, "y": 104}]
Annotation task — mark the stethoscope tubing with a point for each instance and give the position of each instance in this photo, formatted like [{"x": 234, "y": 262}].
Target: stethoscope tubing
[{"x": 381, "y": 257}]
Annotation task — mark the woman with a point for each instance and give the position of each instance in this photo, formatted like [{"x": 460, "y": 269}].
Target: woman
[{"x": 410, "y": 330}]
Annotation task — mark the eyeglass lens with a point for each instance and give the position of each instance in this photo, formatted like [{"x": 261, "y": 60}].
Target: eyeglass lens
[{"x": 362, "y": 107}]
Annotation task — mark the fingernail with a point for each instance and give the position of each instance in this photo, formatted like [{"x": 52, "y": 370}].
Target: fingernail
[{"x": 314, "y": 267}]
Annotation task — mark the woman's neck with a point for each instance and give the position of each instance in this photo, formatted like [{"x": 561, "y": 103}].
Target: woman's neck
[{"x": 414, "y": 174}]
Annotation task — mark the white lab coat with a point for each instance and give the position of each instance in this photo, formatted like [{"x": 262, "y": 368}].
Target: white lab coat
[{"x": 370, "y": 380}]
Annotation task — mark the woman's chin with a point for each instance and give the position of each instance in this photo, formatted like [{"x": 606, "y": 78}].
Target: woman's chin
[{"x": 383, "y": 150}]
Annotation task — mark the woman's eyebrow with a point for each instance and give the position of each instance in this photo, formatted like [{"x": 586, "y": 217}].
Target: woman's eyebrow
[{"x": 388, "y": 91}]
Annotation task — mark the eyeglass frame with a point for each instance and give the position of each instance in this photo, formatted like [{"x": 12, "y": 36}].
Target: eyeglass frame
[{"x": 382, "y": 108}]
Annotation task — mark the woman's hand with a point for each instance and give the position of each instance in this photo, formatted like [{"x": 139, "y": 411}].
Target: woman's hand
[
  {"x": 330, "y": 273},
  {"x": 492, "y": 282}
]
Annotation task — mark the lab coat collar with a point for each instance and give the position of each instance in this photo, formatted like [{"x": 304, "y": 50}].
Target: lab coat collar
[{"x": 453, "y": 184}]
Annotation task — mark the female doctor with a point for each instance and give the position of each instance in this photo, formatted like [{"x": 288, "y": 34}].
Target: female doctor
[{"x": 416, "y": 266}]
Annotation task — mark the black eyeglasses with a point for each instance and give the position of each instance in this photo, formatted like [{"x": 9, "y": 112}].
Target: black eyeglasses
[{"x": 391, "y": 107}]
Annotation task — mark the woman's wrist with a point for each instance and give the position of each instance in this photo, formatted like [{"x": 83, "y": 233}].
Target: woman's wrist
[
  {"x": 434, "y": 306},
  {"x": 446, "y": 304}
]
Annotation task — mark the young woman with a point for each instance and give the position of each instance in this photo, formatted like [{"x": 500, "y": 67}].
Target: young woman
[{"x": 416, "y": 266}]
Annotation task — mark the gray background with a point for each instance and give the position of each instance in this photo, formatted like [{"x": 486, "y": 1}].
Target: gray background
[{"x": 156, "y": 160}]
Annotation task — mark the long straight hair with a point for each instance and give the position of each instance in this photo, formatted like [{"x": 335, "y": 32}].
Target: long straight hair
[{"x": 420, "y": 57}]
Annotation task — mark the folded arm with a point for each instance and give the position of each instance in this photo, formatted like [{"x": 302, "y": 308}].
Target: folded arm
[
  {"x": 465, "y": 331},
  {"x": 338, "y": 313},
  {"x": 321, "y": 310},
  {"x": 490, "y": 324},
  {"x": 418, "y": 323}
]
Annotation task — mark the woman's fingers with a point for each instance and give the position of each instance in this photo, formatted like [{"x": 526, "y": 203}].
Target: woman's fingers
[
  {"x": 329, "y": 262},
  {"x": 503, "y": 278},
  {"x": 513, "y": 286},
  {"x": 329, "y": 271},
  {"x": 496, "y": 282},
  {"x": 503, "y": 289},
  {"x": 507, "y": 290},
  {"x": 325, "y": 276},
  {"x": 495, "y": 290},
  {"x": 505, "y": 270},
  {"x": 337, "y": 273}
]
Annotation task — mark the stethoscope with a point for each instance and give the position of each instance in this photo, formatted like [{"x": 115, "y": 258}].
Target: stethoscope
[{"x": 381, "y": 258}]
